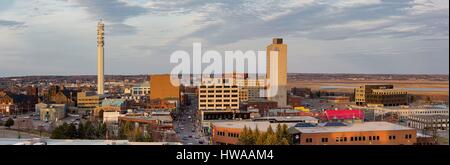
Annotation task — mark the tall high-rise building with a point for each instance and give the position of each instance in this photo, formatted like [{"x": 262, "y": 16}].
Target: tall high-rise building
[
  {"x": 100, "y": 56},
  {"x": 278, "y": 82}
]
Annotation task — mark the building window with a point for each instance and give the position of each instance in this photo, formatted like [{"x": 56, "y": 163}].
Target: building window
[
  {"x": 324, "y": 140},
  {"x": 308, "y": 140}
]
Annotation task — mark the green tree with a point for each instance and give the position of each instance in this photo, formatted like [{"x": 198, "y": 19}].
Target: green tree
[
  {"x": 270, "y": 137},
  {"x": 9, "y": 123},
  {"x": 138, "y": 137},
  {"x": 245, "y": 137},
  {"x": 101, "y": 130},
  {"x": 251, "y": 140},
  {"x": 81, "y": 131},
  {"x": 285, "y": 133},
  {"x": 284, "y": 141},
  {"x": 71, "y": 131},
  {"x": 89, "y": 130}
]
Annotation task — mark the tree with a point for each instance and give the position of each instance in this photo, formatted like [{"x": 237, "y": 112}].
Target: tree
[
  {"x": 271, "y": 139},
  {"x": 245, "y": 137},
  {"x": 285, "y": 133},
  {"x": 101, "y": 130},
  {"x": 81, "y": 131},
  {"x": 138, "y": 137},
  {"x": 71, "y": 131},
  {"x": 9, "y": 123},
  {"x": 89, "y": 130},
  {"x": 279, "y": 132},
  {"x": 284, "y": 141}
]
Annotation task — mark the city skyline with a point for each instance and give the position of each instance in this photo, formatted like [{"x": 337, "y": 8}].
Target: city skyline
[{"x": 38, "y": 39}]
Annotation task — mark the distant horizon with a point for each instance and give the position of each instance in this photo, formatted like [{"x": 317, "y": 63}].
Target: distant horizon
[{"x": 412, "y": 74}]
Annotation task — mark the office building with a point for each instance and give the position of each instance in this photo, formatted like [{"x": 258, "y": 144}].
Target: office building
[
  {"x": 142, "y": 89},
  {"x": 218, "y": 94},
  {"x": 380, "y": 95},
  {"x": 278, "y": 85},
  {"x": 162, "y": 88},
  {"x": 88, "y": 101}
]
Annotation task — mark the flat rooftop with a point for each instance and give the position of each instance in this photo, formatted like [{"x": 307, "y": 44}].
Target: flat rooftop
[
  {"x": 430, "y": 117},
  {"x": 262, "y": 125},
  {"x": 8, "y": 141},
  {"x": 287, "y": 118},
  {"x": 356, "y": 127}
]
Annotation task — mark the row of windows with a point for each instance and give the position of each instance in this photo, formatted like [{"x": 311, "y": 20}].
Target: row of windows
[
  {"x": 219, "y": 100},
  {"x": 226, "y": 86},
  {"x": 220, "y": 133},
  {"x": 226, "y": 96},
  {"x": 233, "y": 135},
  {"x": 218, "y": 91},
  {"x": 358, "y": 138},
  {"x": 218, "y": 105}
]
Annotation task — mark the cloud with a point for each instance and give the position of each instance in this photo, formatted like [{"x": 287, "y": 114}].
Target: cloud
[
  {"x": 114, "y": 11},
  {"x": 322, "y": 20},
  {"x": 12, "y": 24}
]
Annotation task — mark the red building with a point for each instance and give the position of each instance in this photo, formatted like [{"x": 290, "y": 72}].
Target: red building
[{"x": 343, "y": 115}]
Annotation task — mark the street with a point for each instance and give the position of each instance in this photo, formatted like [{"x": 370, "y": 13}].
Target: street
[{"x": 187, "y": 126}]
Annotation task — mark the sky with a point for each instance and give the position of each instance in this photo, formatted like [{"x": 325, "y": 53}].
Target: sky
[{"x": 58, "y": 37}]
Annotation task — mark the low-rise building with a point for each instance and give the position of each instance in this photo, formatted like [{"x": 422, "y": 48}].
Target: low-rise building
[
  {"x": 428, "y": 122},
  {"x": 51, "y": 112},
  {"x": 404, "y": 112},
  {"x": 366, "y": 133},
  {"x": 343, "y": 115},
  {"x": 12, "y": 103}
]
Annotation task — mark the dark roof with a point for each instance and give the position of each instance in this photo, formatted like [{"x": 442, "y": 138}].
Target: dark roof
[
  {"x": 305, "y": 125},
  {"x": 334, "y": 124}
]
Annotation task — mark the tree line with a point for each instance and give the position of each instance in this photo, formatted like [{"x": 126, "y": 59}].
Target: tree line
[
  {"x": 255, "y": 137},
  {"x": 88, "y": 130},
  {"x": 129, "y": 132}
]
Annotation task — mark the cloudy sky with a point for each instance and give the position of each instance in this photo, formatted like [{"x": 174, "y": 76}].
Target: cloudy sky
[{"x": 58, "y": 37}]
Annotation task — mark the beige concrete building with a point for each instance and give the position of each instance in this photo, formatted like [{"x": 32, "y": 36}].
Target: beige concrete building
[
  {"x": 380, "y": 95},
  {"x": 215, "y": 95},
  {"x": 88, "y": 101},
  {"x": 278, "y": 85}
]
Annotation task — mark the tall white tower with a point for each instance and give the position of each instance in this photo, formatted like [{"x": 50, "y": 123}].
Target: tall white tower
[{"x": 100, "y": 56}]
